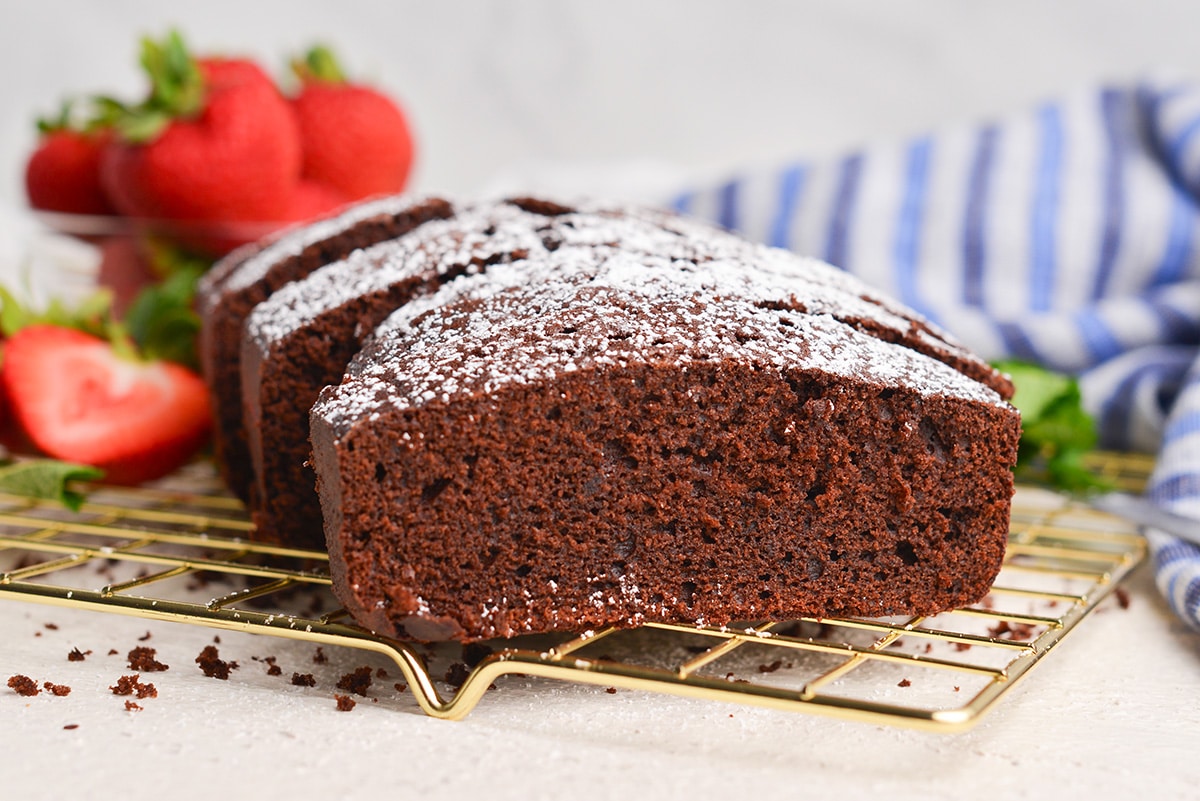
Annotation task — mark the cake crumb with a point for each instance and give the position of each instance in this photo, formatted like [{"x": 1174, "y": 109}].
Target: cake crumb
[
  {"x": 357, "y": 682},
  {"x": 130, "y": 706},
  {"x": 475, "y": 652},
  {"x": 51, "y": 626},
  {"x": 272, "y": 668},
  {"x": 400, "y": 686},
  {"x": 75, "y": 655},
  {"x": 610, "y": 690},
  {"x": 217, "y": 639},
  {"x": 143, "y": 660},
  {"x": 23, "y": 685},
  {"x": 456, "y": 674},
  {"x": 304, "y": 680},
  {"x": 212, "y": 665},
  {"x": 904, "y": 683},
  {"x": 771, "y": 668},
  {"x": 1019, "y": 631},
  {"x": 144, "y": 637},
  {"x": 113, "y": 652},
  {"x": 71, "y": 726},
  {"x": 345, "y": 703},
  {"x": 1123, "y": 598},
  {"x": 381, "y": 674},
  {"x": 319, "y": 657},
  {"x": 56, "y": 689},
  {"x": 131, "y": 685}
]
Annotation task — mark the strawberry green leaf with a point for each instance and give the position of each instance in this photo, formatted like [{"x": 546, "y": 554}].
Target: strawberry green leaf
[
  {"x": 64, "y": 121},
  {"x": 47, "y": 478},
  {"x": 14, "y": 315},
  {"x": 161, "y": 319},
  {"x": 177, "y": 90},
  {"x": 90, "y": 316},
  {"x": 319, "y": 64}
]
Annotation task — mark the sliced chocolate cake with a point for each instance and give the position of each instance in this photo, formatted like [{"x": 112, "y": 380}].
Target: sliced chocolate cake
[
  {"x": 300, "y": 339},
  {"x": 602, "y": 437},
  {"x": 249, "y": 275}
]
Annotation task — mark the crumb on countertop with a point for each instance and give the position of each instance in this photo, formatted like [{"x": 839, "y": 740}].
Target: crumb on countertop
[
  {"x": 304, "y": 680},
  {"x": 23, "y": 685},
  {"x": 142, "y": 659}
]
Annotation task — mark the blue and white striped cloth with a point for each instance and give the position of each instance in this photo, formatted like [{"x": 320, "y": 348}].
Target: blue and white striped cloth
[{"x": 1068, "y": 236}]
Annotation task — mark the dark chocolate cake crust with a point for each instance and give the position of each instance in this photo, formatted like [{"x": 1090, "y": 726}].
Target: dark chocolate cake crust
[{"x": 621, "y": 444}]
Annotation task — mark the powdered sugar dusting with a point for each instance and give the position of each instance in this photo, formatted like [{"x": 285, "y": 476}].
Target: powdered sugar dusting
[
  {"x": 291, "y": 244},
  {"x": 477, "y": 237},
  {"x": 592, "y": 308},
  {"x": 540, "y": 248}
]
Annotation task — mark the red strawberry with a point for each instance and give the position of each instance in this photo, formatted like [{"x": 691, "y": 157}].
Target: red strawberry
[
  {"x": 215, "y": 142},
  {"x": 354, "y": 138},
  {"x": 312, "y": 200},
  {"x": 63, "y": 174},
  {"x": 78, "y": 400}
]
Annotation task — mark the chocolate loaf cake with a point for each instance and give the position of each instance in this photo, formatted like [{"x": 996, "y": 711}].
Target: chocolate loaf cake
[
  {"x": 249, "y": 275},
  {"x": 300, "y": 339},
  {"x": 605, "y": 437}
]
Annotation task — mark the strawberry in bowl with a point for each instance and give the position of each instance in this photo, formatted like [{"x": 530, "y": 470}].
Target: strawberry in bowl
[{"x": 213, "y": 156}]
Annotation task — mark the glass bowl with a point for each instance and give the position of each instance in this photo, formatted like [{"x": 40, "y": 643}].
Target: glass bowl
[{"x": 125, "y": 254}]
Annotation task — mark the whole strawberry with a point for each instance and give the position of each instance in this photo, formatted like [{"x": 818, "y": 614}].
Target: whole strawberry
[
  {"x": 312, "y": 200},
  {"x": 78, "y": 398},
  {"x": 354, "y": 138},
  {"x": 214, "y": 142},
  {"x": 63, "y": 174}
]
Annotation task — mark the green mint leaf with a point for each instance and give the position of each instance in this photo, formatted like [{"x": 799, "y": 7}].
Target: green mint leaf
[
  {"x": 1036, "y": 387},
  {"x": 1056, "y": 431},
  {"x": 47, "y": 478}
]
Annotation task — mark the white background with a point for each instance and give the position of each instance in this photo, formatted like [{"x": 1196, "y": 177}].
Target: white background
[
  {"x": 493, "y": 87},
  {"x": 543, "y": 94}
]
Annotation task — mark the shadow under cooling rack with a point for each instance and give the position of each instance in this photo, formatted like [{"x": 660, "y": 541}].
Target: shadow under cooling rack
[{"x": 158, "y": 551}]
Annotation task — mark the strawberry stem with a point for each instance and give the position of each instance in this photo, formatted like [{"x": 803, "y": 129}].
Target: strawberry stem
[
  {"x": 71, "y": 118},
  {"x": 177, "y": 90},
  {"x": 62, "y": 122},
  {"x": 319, "y": 65}
]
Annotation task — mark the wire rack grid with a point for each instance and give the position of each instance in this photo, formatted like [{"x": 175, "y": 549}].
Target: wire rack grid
[{"x": 158, "y": 547}]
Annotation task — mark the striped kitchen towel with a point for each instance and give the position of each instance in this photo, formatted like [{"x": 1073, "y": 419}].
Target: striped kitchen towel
[{"x": 1067, "y": 236}]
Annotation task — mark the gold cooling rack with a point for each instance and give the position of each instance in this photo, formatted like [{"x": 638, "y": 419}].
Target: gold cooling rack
[{"x": 156, "y": 550}]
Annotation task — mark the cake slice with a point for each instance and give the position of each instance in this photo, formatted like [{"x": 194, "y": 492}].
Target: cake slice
[
  {"x": 610, "y": 437},
  {"x": 231, "y": 290}
]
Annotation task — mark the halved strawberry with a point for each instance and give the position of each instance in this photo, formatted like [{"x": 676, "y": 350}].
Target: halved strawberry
[{"x": 78, "y": 400}]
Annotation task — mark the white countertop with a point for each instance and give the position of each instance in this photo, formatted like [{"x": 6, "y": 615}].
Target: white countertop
[{"x": 1110, "y": 713}]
